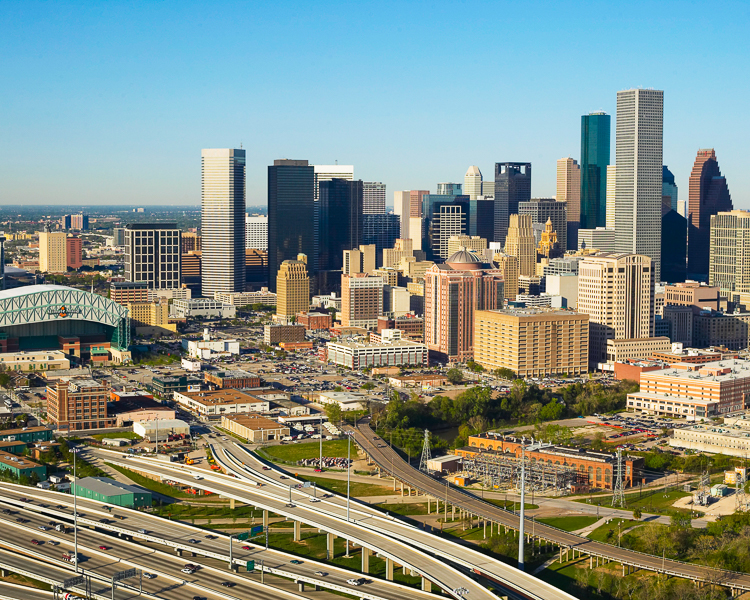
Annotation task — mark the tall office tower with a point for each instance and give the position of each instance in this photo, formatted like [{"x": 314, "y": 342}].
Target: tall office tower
[
  {"x": 361, "y": 300},
  {"x": 223, "y": 220},
  {"x": 668, "y": 190},
  {"x": 482, "y": 218},
  {"x": 512, "y": 185},
  {"x": 729, "y": 253},
  {"x": 453, "y": 291},
  {"x": 256, "y": 232},
  {"x": 256, "y": 267},
  {"x": 569, "y": 191},
  {"x": 65, "y": 222},
  {"x": 444, "y": 216},
  {"x": 638, "y": 148},
  {"x": 328, "y": 172},
  {"x": 152, "y": 255},
  {"x": 291, "y": 214},
  {"x": 2, "y": 262},
  {"x": 402, "y": 207},
  {"x": 682, "y": 208},
  {"x": 191, "y": 242},
  {"x": 616, "y": 290},
  {"x": 508, "y": 267},
  {"x": 79, "y": 221},
  {"x": 359, "y": 260},
  {"x": 488, "y": 189},
  {"x": 292, "y": 288},
  {"x": 190, "y": 271},
  {"x": 449, "y": 189},
  {"x": 52, "y": 251},
  {"x": 611, "y": 187},
  {"x": 382, "y": 231},
  {"x": 473, "y": 182},
  {"x": 373, "y": 198},
  {"x": 708, "y": 195},
  {"x": 339, "y": 221},
  {"x": 595, "y": 141},
  {"x": 521, "y": 244},
  {"x": 73, "y": 252},
  {"x": 673, "y": 247},
  {"x": 416, "y": 198},
  {"x": 118, "y": 235},
  {"x": 548, "y": 209}
]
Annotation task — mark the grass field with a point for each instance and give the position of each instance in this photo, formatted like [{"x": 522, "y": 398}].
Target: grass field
[
  {"x": 570, "y": 523},
  {"x": 128, "y": 435},
  {"x": 513, "y": 506},
  {"x": 357, "y": 489},
  {"x": 150, "y": 484},
  {"x": 412, "y": 508},
  {"x": 291, "y": 453},
  {"x": 608, "y": 532},
  {"x": 657, "y": 501}
]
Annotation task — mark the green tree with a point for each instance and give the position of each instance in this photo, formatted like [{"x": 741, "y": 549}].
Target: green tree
[
  {"x": 637, "y": 514},
  {"x": 504, "y": 373},
  {"x": 454, "y": 376},
  {"x": 598, "y": 442},
  {"x": 474, "y": 367},
  {"x": 368, "y": 385},
  {"x": 333, "y": 412}
]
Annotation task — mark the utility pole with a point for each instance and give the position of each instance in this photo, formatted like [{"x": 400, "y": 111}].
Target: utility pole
[
  {"x": 320, "y": 431},
  {"x": 348, "y": 470},
  {"x": 523, "y": 498}
]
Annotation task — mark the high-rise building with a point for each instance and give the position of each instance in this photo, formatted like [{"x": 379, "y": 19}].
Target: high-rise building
[
  {"x": 488, "y": 189},
  {"x": 191, "y": 242},
  {"x": 79, "y": 222},
  {"x": 616, "y": 290},
  {"x": 548, "y": 209},
  {"x": 730, "y": 253},
  {"x": 444, "y": 216},
  {"x": 190, "y": 271},
  {"x": 673, "y": 247},
  {"x": 359, "y": 260},
  {"x": 682, "y": 208},
  {"x": 611, "y": 187},
  {"x": 508, "y": 267},
  {"x": 402, "y": 207},
  {"x": 453, "y": 292},
  {"x": 339, "y": 221},
  {"x": 449, "y": 189},
  {"x": 256, "y": 232},
  {"x": 521, "y": 244},
  {"x": 512, "y": 186},
  {"x": 595, "y": 136},
  {"x": 472, "y": 243},
  {"x": 416, "y": 198},
  {"x": 708, "y": 195},
  {"x": 639, "y": 154},
  {"x": 382, "y": 231},
  {"x": 223, "y": 220},
  {"x": 601, "y": 238},
  {"x": 73, "y": 252},
  {"x": 473, "y": 183},
  {"x": 408, "y": 206},
  {"x": 373, "y": 198},
  {"x": 65, "y": 222},
  {"x": 292, "y": 288},
  {"x": 361, "y": 300},
  {"x": 118, "y": 235},
  {"x": 53, "y": 251},
  {"x": 482, "y": 217},
  {"x": 668, "y": 190},
  {"x": 152, "y": 254},
  {"x": 549, "y": 245},
  {"x": 328, "y": 172},
  {"x": 569, "y": 191},
  {"x": 291, "y": 214}
]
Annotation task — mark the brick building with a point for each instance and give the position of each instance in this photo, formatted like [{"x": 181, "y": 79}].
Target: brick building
[
  {"x": 235, "y": 378},
  {"x": 411, "y": 326},
  {"x": 77, "y": 404},
  {"x": 314, "y": 321}
]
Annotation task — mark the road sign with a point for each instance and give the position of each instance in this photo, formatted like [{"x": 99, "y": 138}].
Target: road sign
[
  {"x": 73, "y": 581},
  {"x": 307, "y": 484},
  {"x": 242, "y": 536},
  {"x": 127, "y": 574},
  {"x": 250, "y": 565},
  {"x": 257, "y": 530}
]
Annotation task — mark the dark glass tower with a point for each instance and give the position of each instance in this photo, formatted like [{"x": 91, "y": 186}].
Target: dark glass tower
[
  {"x": 381, "y": 230},
  {"x": 512, "y": 185},
  {"x": 339, "y": 221},
  {"x": 291, "y": 214},
  {"x": 673, "y": 247},
  {"x": 595, "y": 131}
]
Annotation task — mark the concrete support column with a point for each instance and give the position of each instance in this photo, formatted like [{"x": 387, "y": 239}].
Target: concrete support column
[
  {"x": 231, "y": 504},
  {"x": 402, "y": 488},
  {"x": 297, "y": 531},
  {"x": 365, "y": 560},
  {"x": 591, "y": 562},
  {"x": 389, "y": 569},
  {"x": 329, "y": 544},
  {"x": 394, "y": 484},
  {"x": 453, "y": 513},
  {"x": 265, "y": 518},
  {"x": 404, "y": 570},
  {"x": 426, "y": 585},
  {"x": 300, "y": 586},
  {"x": 485, "y": 530},
  {"x": 428, "y": 505}
]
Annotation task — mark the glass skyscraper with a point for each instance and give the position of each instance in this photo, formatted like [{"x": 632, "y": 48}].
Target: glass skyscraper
[
  {"x": 339, "y": 222},
  {"x": 595, "y": 140}
]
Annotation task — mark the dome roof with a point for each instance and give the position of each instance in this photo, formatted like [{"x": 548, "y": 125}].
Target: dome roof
[
  {"x": 464, "y": 259},
  {"x": 473, "y": 170}
]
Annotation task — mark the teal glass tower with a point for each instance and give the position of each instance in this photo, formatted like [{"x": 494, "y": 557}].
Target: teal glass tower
[{"x": 595, "y": 131}]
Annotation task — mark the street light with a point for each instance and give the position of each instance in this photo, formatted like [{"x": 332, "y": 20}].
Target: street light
[
  {"x": 349, "y": 435},
  {"x": 75, "y": 510}
]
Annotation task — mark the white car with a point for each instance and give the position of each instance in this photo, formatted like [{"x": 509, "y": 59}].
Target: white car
[
  {"x": 149, "y": 576},
  {"x": 313, "y": 499},
  {"x": 198, "y": 477},
  {"x": 353, "y": 582},
  {"x": 321, "y": 573}
]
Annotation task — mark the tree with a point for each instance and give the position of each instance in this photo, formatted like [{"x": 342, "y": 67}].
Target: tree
[
  {"x": 681, "y": 520},
  {"x": 333, "y": 412},
  {"x": 504, "y": 373},
  {"x": 454, "y": 376},
  {"x": 474, "y": 367},
  {"x": 598, "y": 442},
  {"x": 637, "y": 514},
  {"x": 368, "y": 386}
]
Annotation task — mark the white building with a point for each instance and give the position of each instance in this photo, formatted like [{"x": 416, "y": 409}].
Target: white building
[
  {"x": 373, "y": 198},
  {"x": 171, "y": 294},
  {"x": 207, "y": 348},
  {"x": 611, "y": 198},
  {"x": 402, "y": 207},
  {"x": 194, "y": 366},
  {"x": 638, "y": 187},
  {"x": 202, "y": 307},
  {"x": 473, "y": 183},
  {"x": 565, "y": 285},
  {"x": 226, "y": 401},
  {"x": 256, "y": 232},
  {"x": 356, "y": 355},
  {"x": 601, "y": 238},
  {"x": 346, "y": 400},
  {"x": 160, "y": 429},
  {"x": 732, "y": 440},
  {"x": 247, "y": 298},
  {"x": 328, "y": 172},
  {"x": 223, "y": 220}
]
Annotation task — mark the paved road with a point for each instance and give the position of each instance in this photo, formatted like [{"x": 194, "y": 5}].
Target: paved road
[
  {"x": 178, "y": 534},
  {"x": 11, "y": 591},
  {"x": 389, "y": 461}
]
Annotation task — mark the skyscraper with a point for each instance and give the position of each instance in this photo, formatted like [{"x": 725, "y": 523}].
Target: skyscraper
[
  {"x": 382, "y": 231},
  {"x": 569, "y": 191},
  {"x": 444, "y": 216},
  {"x": 256, "y": 232},
  {"x": 339, "y": 221},
  {"x": 291, "y": 214},
  {"x": 153, "y": 254},
  {"x": 361, "y": 300},
  {"x": 293, "y": 288},
  {"x": 512, "y": 185},
  {"x": 373, "y": 198},
  {"x": 668, "y": 190},
  {"x": 223, "y": 220},
  {"x": 639, "y": 174},
  {"x": 521, "y": 244},
  {"x": 52, "y": 251},
  {"x": 595, "y": 132},
  {"x": 402, "y": 207},
  {"x": 544, "y": 209},
  {"x": 611, "y": 187},
  {"x": 473, "y": 183},
  {"x": 416, "y": 197},
  {"x": 730, "y": 254},
  {"x": 449, "y": 189},
  {"x": 673, "y": 247},
  {"x": 328, "y": 172},
  {"x": 707, "y": 196}
]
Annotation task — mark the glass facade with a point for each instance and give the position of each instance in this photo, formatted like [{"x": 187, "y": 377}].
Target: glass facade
[
  {"x": 339, "y": 221},
  {"x": 381, "y": 230},
  {"x": 595, "y": 151},
  {"x": 512, "y": 185}
]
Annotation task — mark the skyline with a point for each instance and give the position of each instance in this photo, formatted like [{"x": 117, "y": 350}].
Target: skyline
[{"x": 123, "y": 105}]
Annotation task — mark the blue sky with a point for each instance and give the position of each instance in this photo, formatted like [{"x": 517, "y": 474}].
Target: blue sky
[{"x": 111, "y": 102}]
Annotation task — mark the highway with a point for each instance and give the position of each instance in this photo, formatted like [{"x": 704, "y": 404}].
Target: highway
[
  {"x": 390, "y": 462},
  {"x": 45, "y": 504}
]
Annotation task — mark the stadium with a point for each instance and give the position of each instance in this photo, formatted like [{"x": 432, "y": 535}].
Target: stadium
[{"x": 86, "y": 326}]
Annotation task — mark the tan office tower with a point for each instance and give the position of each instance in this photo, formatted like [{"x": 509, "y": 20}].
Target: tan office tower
[
  {"x": 520, "y": 243},
  {"x": 401, "y": 248},
  {"x": 416, "y": 202},
  {"x": 611, "y": 186},
  {"x": 292, "y": 288},
  {"x": 473, "y": 182},
  {"x": 53, "y": 251},
  {"x": 361, "y": 300},
  {"x": 616, "y": 290},
  {"x": 569, "y": 190},
  {"x": 402, "y": 207},
  {"x": 359, "y": 260},
  {"x": 730, "y": 253},
  {"x": 472, "y": 243},
  {"x": 508, "y": 266}
]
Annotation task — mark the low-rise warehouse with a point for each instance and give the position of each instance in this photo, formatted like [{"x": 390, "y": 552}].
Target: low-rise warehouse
[
  {"x": 254, "y": 428},
  {"x": 22, "y": 467},
  {"x": 112, "y": 492},
  {"x": 29, "y": 435},
  {"x": 233, "y": 378},
  {"x": 160, "y": 428},
  {"x": 219, "y": 402},
  {"x": 732, "y": 440}
]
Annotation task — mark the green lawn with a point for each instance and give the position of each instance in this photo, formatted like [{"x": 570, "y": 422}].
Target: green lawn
[
  {"x": 513, "y": 506},
  {"x": 608, "y": 532},
  {"x": 150, "y": 484},
  {"x": 572, "y": 523},
  {"x": 128, "y": 435},
  {"x": 657, "y": 501},
  {"x": 412, "y": 508},
  {"x": 291, "y": 453},
  {"x": 357, "y": 489}
]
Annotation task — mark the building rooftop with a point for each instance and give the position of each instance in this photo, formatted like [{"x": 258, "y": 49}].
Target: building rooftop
[
  {"x": 164, "y": 424},
  {"x": 402, "y": 343},
  {"x": 534, "y": 311},
  {"x": 223, "y": 396},
  {"x": 730, "y": 431},
  {"x": 231, "y": 374},
  {"x": 720, "y": 370},
  {"x": 128, "y": 404},
  {"x": 7, "y": 432},
  {"x": 109, "y": 487},
  {"x": 255, "y": 422},
  {"x": 17, "y": 461}
]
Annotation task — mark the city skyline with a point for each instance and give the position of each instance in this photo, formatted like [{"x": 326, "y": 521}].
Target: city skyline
[{"x": 147, "y": 85}]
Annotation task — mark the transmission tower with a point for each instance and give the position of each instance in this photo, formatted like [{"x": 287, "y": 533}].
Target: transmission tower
[
  {"x": 425, "y": 452},
  {"x": 618, "y": 492}
]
